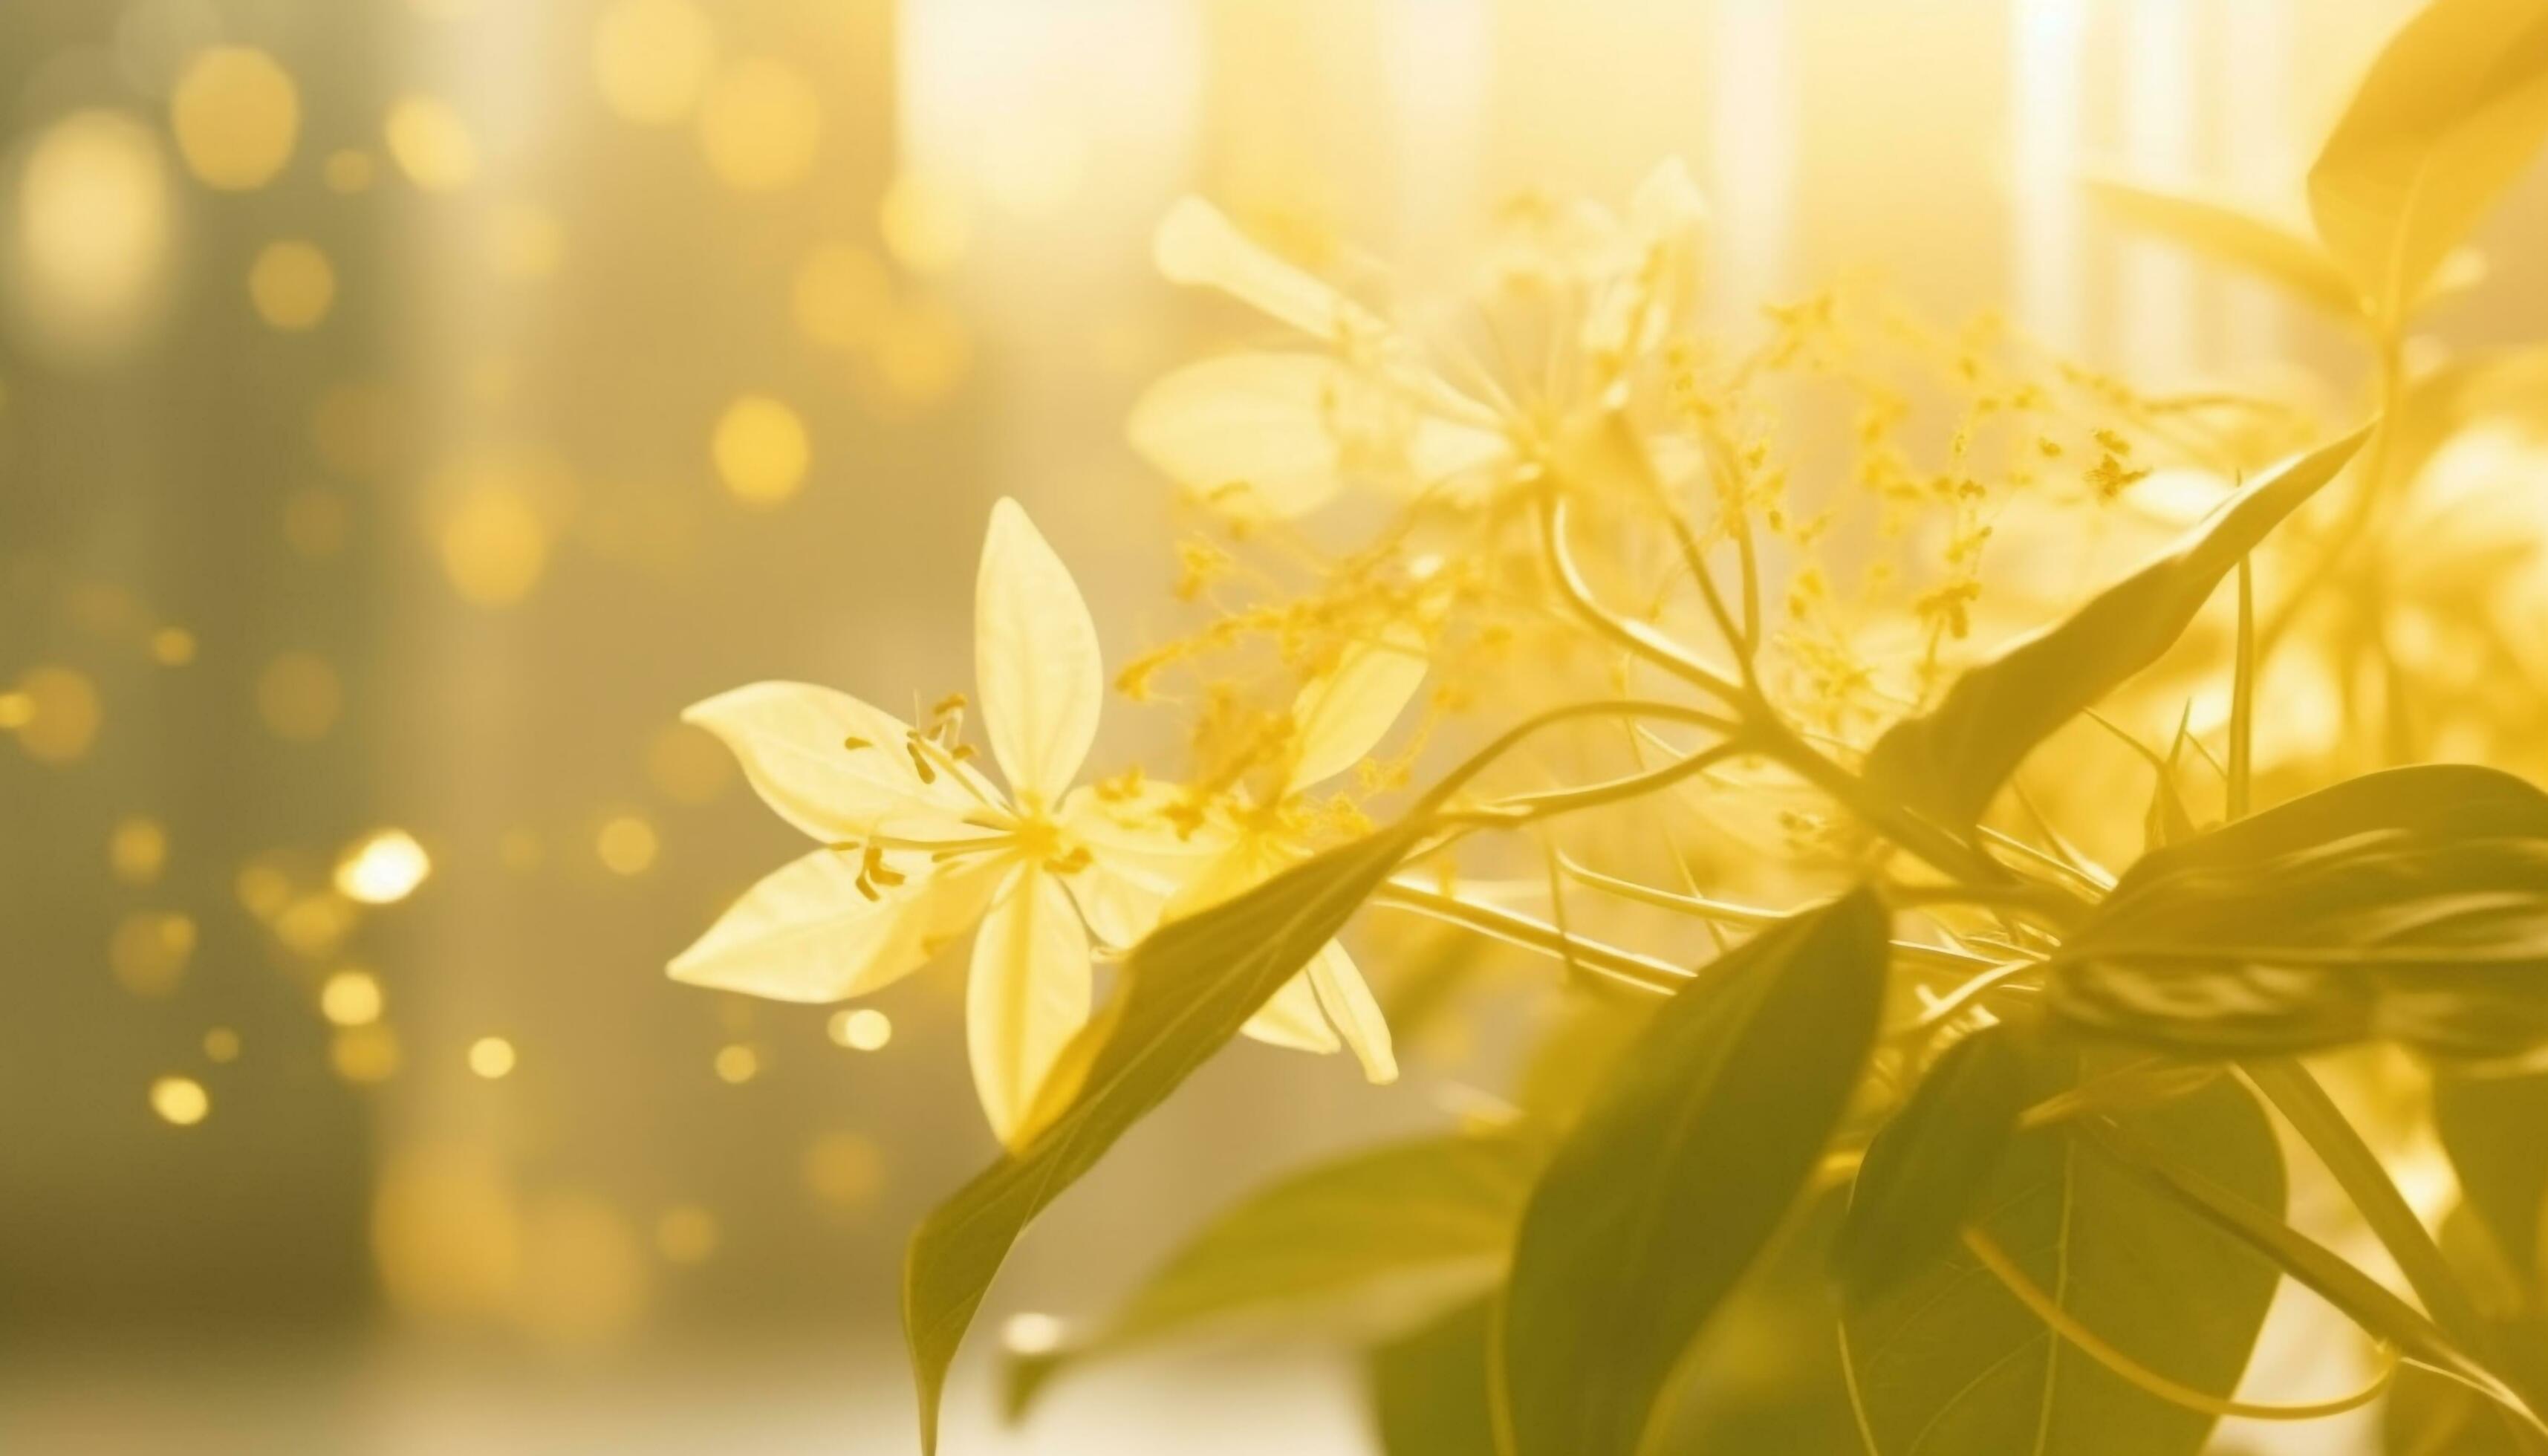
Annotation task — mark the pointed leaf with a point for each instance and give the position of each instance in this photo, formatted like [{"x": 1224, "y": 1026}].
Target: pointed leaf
[
  {"x": 2492, "y": 1125},
  {"x": 1949, "y": 1360},
  {"x": 2232, "y": 234},
  {"x": 1385, "y": 1237},
  {"x": 1950, "y": 761},
  {"x": 2448, "y": 116},
  {"x": 1429, "y": 1392},
  {"x": 1186, "y": 990},
  {"x": 1930, "y": 1163},
  {"x": 1679, "y": 1172},
  {"x": 2411, "y": 904}
]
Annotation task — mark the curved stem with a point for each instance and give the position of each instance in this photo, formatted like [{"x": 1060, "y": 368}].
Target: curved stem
[
  {"x": 1525, "y": 808},
  {"x": 1636, "y": 637},
  {"x": 1504, "y": 741},
  {"x": 2089, "y": 1343},
  {"x": 1747, "y": 917}
]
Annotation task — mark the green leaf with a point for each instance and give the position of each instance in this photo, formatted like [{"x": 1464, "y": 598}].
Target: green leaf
[
  {"x": 2228, "y": 234},
  {"x": 1682, "y": 1167},
  {"x": 2492, "y": 1128},
  {"x": 1931, "y": 1162},
  {"x": 2448, "y": 116},
  {"x": 1949, "y": 1360},
  {"x": 1429, "y": 1391},
  {"x": 2362, "y": 1299},
  {"x": 2409, "y": 904},
  {"x": 1186, "y": 990},
  {"x": 2429, "y": 1414},
  {"x": 1948, "y": 762},
  {"x": 1393, "y": 1232}
]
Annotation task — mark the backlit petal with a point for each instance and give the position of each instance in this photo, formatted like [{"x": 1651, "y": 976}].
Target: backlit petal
[
  {"x": 1035, "y": 659},
  {"x": 1252, "y": 435},
  {"x": 1198, "y": 245},
  {"x": 795, "y": 742},
  {"x": 1028, "y": 994},
  {"x": 1292, "y": 1018},
  {"x": 1341, "y": 716},
  {"x": 1347, "y": 1001},
  {"x": 808, "y": 933}
]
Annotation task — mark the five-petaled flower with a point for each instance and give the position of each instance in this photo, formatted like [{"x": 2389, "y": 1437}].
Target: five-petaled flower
[{"x": 916, "y": 844}]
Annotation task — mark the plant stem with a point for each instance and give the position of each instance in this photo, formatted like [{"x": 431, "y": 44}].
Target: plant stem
[
  {"x": 1637, "y": 637},
  {"x": 1626, "y": 967}
]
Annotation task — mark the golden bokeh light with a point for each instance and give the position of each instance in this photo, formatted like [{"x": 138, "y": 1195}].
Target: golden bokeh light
[
  {"x": 687, "y": 765},
  {"x": 263, "y": 888},
  {"x": 56, "y": 712},
  {"x": 924, "y": 222},
  {"x": 293, "y": 285},
  {"x": 685, "y": 1233},
  {"x": 180, "y": 1102},
  {"x": 221, "y": 1045},
  {"x": 761, "y": 450},
  {"x": 760, "y": 123},
  {"x": 862, "y": 1028},
  {"x": 430, "y": 142},
  {"x": 382, "y": 868},
  {"x": 493, "y": 545},
  {"x": 737, "y": 1064},
  {"x": 446, "y": 1231},
  {"x": 236, "y": 114},
  {"x": 490, "y": 1057},
  {"x": 298, "y": 697},
  {"x": 91, "y": 235},
  {"x": 651, "y": 58},
  {"x": 843, "y": 1170},
  {"x": 150, "y": 950},
  {"x": 350, "y": 998},
  {"x": 314, "y": 926},
  {"x": 626, "y": 845},
  {"x": 137, "y": 850},
  {"x": 365, "y": 1055},
  {"x": 172, "y": 647}
]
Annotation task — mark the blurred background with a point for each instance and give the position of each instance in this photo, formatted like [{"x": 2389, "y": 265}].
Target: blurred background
[{"x": 407, "y": 406}]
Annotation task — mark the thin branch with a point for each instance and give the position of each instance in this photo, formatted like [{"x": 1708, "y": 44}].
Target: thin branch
[{"x": 1627, "y": 967}]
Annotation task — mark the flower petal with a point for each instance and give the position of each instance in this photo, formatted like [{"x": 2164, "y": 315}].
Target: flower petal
[
  {"x": 1138, "y": 861},
  {"x": 1340, "y": 718},
  {"x": 1292, "y": 1018},
  {"x": 1347, "y": 1001},
  {"x": 794, "y": 739},
  {"x": 1198, "y": 245},
  {"x": 1251, "y": 433},
  {"x": 1028, "y": 994},
  {"x": 808, "y": 933},
  {"x": 1035, "y": 659}
]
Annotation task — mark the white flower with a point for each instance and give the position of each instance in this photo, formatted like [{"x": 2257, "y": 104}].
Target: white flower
[{"x": 918, "y": 846}]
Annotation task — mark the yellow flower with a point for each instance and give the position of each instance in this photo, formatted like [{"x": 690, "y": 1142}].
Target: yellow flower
[
  {"x": 1335, "y": 721},
  {"x": 1276, "y": 433},
  {"x": 919, "y": 846}
]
